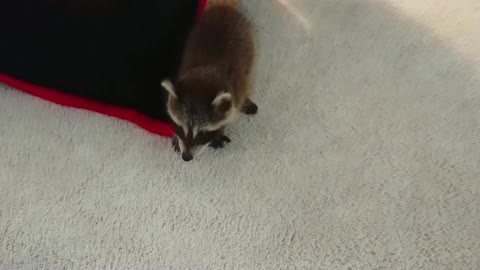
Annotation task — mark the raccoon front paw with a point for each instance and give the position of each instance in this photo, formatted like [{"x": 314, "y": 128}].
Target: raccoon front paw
[
  {"x": 220, "y": 142},
  {"x": 175, "y": 144},
  {"x": 249, "y": 107}
]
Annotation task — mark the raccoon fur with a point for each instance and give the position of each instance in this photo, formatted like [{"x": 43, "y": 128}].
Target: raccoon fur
[{"x": 213, "y": 82}]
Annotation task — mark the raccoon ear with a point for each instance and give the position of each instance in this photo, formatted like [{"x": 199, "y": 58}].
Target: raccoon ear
[
  {"x": 222, "y": 102},
  {"x": 167, "y": 84}
]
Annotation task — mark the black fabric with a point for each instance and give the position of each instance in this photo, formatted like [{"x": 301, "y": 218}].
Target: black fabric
[{"x": 113, "y": 51}]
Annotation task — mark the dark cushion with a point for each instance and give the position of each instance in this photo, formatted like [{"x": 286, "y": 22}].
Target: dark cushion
[{"x": 111, "y": 52}]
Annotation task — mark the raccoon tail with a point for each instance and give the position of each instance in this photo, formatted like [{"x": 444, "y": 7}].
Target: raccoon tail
[{"x": 214, "y": 3}]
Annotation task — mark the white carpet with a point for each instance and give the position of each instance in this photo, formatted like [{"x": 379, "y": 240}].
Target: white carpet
[{"x": 365, "y": 155}]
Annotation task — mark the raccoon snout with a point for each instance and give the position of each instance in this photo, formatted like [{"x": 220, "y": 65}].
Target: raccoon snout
[{"x": 187, "y": 156}]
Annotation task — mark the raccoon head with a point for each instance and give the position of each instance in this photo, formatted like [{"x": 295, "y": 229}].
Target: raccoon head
[{"x": 198, "y": 108}]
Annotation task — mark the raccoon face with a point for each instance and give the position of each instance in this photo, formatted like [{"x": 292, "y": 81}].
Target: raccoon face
[{"x": 197, "y": 110}]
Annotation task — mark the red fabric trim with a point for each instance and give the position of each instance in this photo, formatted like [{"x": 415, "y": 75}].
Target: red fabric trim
[
  {"x": 201, "y": 6},
  {"x": 58, "y": 97},
  {"x": 149, "y": 124}
]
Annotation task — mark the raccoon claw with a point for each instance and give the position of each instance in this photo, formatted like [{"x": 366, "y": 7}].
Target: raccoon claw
[
  {"x": 175, "y": 145},
  {"x": 226, "y": 139},
  {"x": 220, "y": 142},
  {"x": 249, "y": 107}
]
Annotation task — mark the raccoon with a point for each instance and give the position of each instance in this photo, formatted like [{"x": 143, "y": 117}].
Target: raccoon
[{"x": 213, "y": 82}]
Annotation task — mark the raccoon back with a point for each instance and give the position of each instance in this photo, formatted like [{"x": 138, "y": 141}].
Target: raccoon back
[{"x": 222, "y": 39}]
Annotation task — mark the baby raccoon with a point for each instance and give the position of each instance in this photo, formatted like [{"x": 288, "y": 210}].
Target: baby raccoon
[{"x": 212, "y": 86}]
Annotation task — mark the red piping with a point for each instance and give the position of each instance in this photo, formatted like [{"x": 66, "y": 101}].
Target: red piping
[
  {"x": 201, "y": 6},
  {"x": 149, "y": 124}
]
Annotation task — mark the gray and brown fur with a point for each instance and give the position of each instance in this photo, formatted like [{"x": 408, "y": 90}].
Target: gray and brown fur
[{"x": 213, "y": 83}]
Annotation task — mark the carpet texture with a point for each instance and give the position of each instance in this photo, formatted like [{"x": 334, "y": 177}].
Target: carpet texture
[{"x": 365, "y": 155}]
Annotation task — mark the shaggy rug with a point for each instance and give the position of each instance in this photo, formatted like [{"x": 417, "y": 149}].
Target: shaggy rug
[{"x": 365, "y": 155}]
